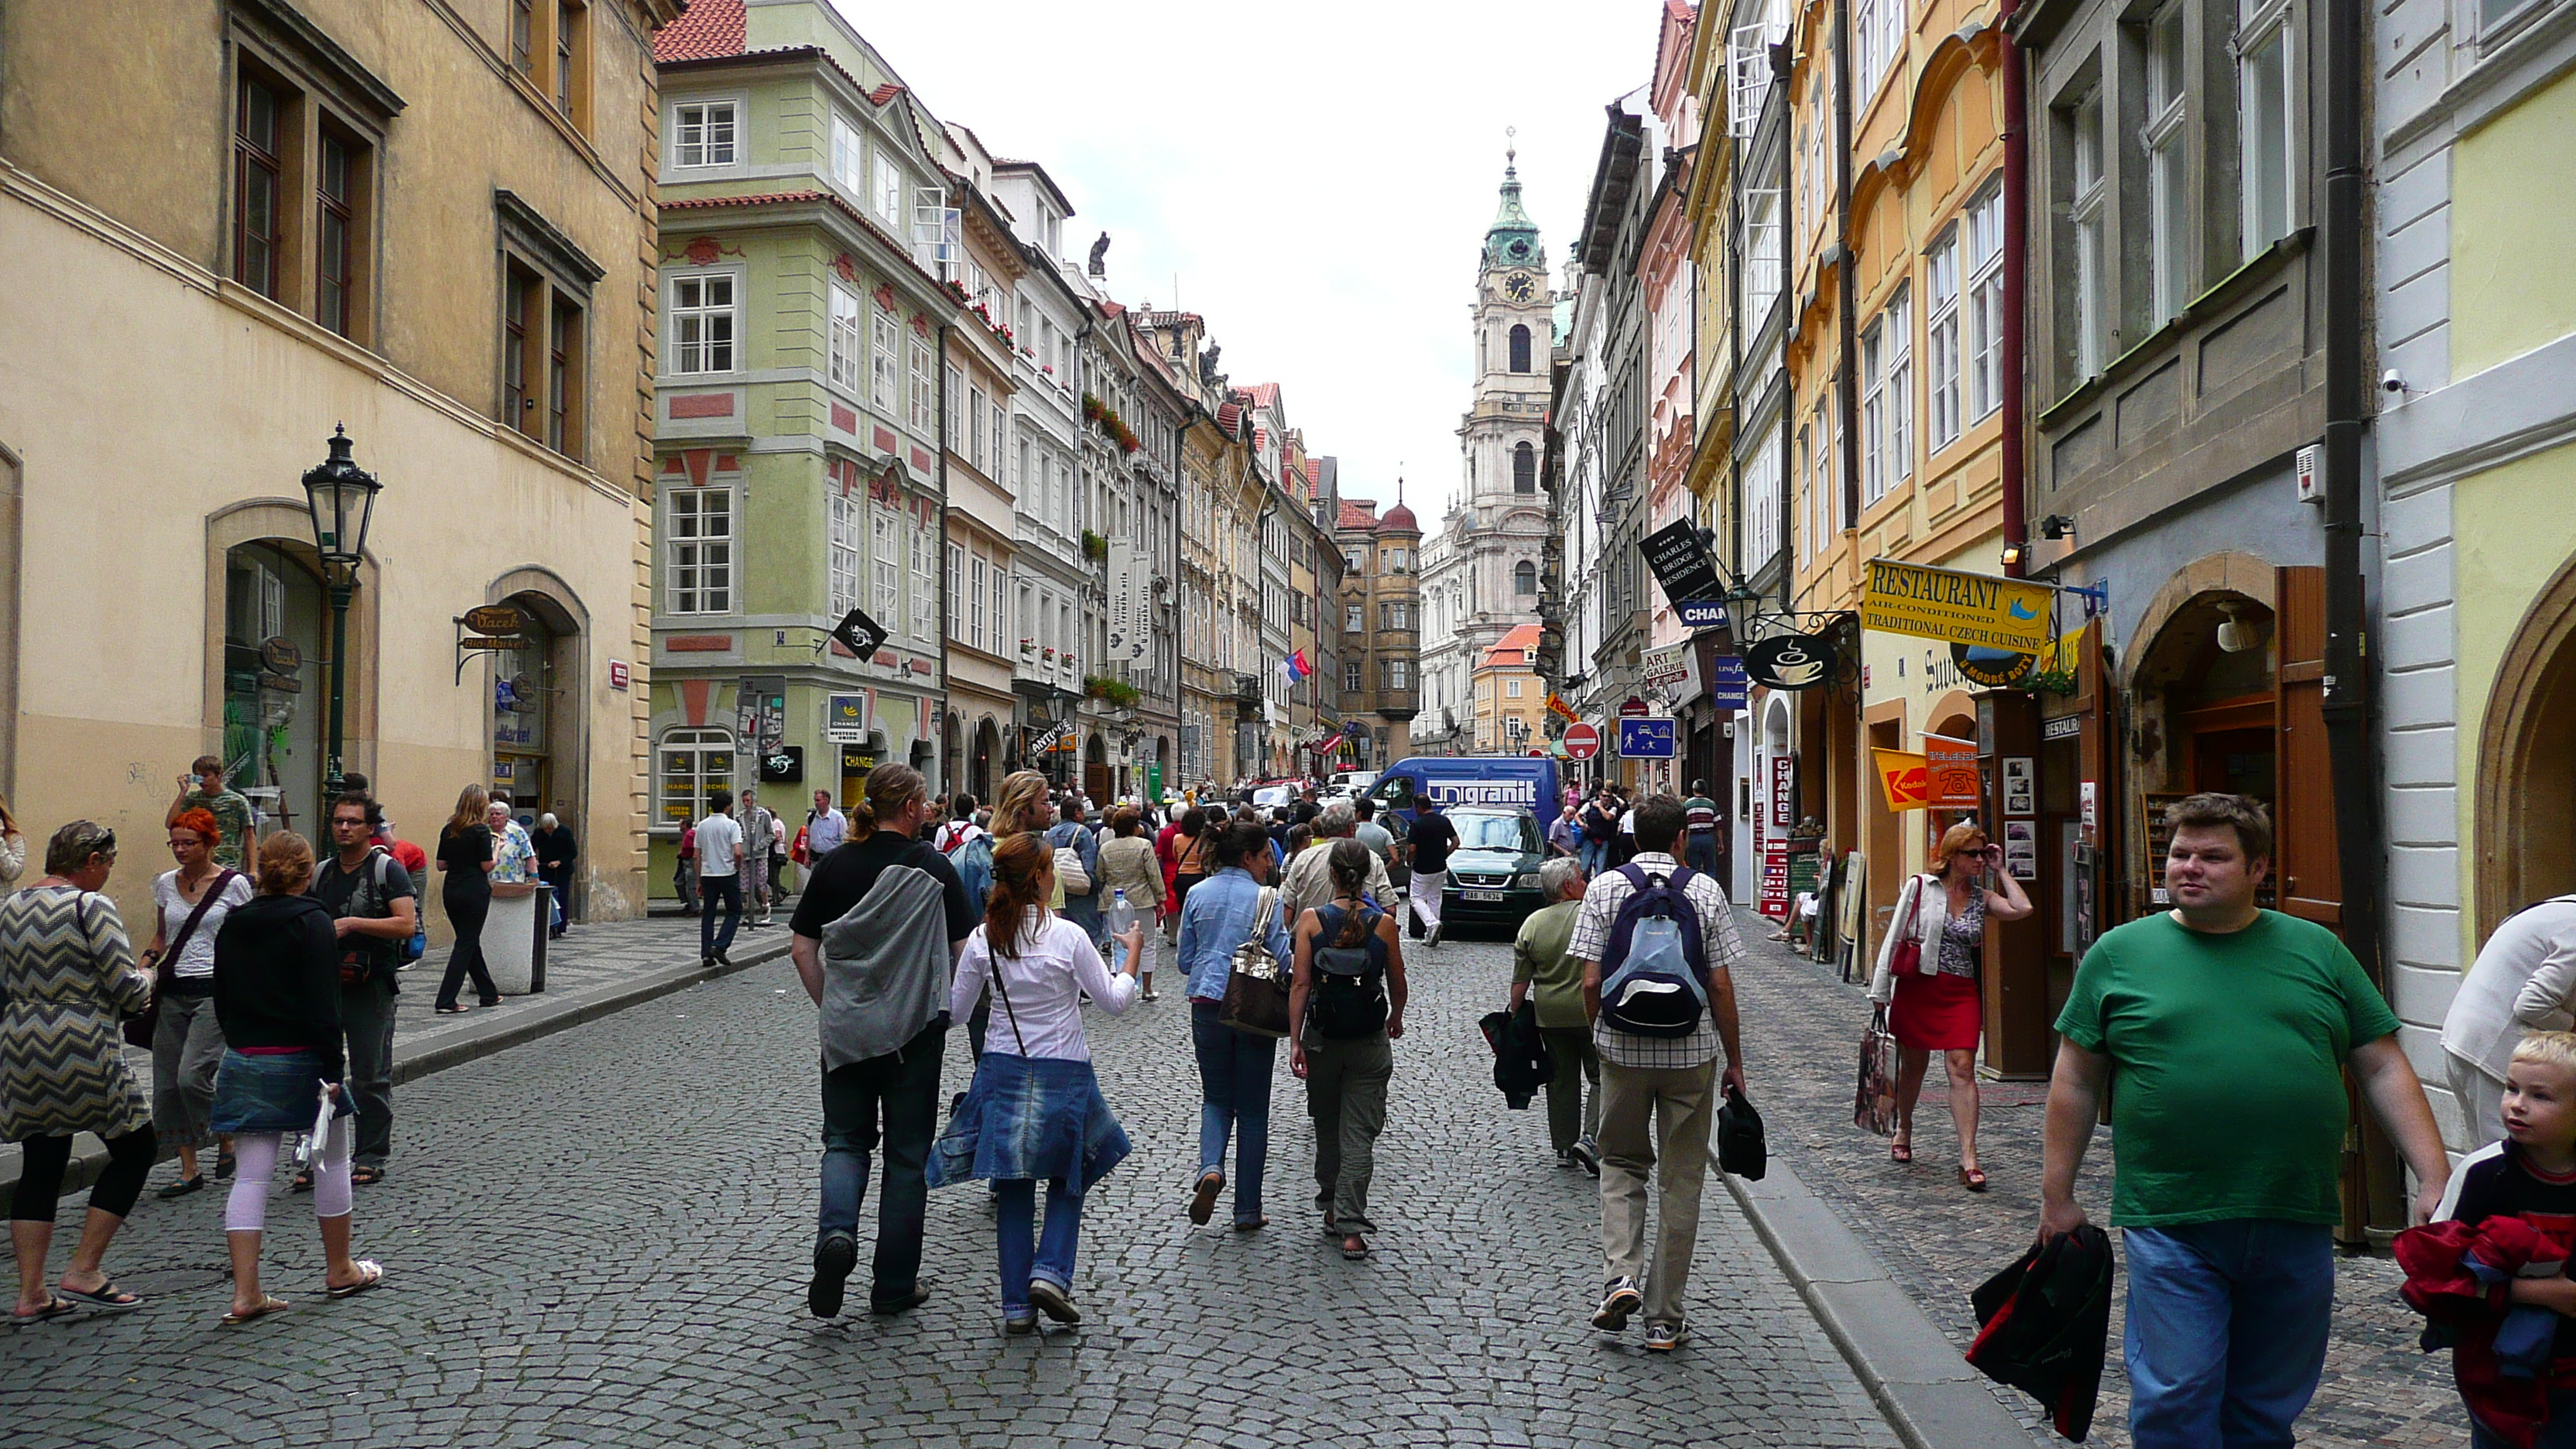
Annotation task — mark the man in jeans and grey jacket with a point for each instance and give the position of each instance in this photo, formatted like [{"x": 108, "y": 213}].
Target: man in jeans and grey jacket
[{"x": 887, "y": 909}]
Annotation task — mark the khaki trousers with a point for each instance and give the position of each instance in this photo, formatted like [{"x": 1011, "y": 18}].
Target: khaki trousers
[{"x": 1682, "y": 1103}]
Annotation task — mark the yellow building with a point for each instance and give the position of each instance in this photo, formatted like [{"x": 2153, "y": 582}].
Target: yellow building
[
  {"x": 262, "y": 222},
  {"x": 1510, "y": 701}
]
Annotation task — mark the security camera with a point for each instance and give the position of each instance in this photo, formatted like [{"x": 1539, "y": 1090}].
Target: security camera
[{"x": 2391, "y": 381}]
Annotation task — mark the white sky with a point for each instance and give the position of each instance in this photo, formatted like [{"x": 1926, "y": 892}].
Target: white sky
[{"x": 1318, "y": 176}]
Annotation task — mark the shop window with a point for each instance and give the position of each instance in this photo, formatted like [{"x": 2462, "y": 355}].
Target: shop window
[
  {"x": 690, "y": 765},
  {"x": 274, "y": 678}
]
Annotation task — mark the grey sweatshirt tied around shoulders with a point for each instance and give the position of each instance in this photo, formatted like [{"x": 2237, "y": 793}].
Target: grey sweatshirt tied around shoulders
[{"x": 885, "y": 967}]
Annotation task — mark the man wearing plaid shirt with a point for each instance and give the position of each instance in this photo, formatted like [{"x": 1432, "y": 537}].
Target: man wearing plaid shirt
[{"x": 1669, "y": 1078}]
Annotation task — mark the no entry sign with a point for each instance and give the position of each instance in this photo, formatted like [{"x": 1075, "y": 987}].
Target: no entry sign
[{"x": 1582, "y": 742}]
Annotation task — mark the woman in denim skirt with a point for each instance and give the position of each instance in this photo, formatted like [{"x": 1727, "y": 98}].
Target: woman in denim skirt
[
  {"x": 1035, "y": 1110},
  {"x": 277, "y": 997}
]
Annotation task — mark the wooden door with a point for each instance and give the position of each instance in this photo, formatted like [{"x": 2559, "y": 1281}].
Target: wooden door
[{"x": 2307, "y": 873}]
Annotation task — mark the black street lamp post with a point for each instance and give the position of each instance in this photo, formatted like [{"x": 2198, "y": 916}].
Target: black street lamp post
[{"x": 341, "y": 496}]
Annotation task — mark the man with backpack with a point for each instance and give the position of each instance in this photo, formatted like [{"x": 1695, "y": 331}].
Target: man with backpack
[
  {"x": 375, "y": 907},
  {"x": 875, "y": 938},
  {"x": 1657, "y": 945}
]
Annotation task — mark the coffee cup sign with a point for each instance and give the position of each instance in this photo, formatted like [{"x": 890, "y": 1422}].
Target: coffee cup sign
[{"x": 1790, "y": 661}]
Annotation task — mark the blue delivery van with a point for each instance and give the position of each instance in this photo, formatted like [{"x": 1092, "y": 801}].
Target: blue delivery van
[{"x": 1524, "y": 780}]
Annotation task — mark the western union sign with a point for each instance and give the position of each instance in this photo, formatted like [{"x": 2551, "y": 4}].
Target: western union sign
[{"x": 1904, "y": 598}]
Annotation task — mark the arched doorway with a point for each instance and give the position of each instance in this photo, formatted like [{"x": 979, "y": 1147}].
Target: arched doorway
[
  {"x": 2206, "y": 695},
  {"x": 987, "y": 758},
  {"x": 1162, "y": 776},
  {"x": 952, "y": 754},
  {"x": 2526, "y": 787},
  {"x": 538, "y": 734},
  {"x": 1095, "y": 768},
  {"x": 276, "y": 679}
]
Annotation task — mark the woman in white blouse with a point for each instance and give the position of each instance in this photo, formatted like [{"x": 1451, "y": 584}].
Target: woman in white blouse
[{"x": 1035, "y": 1110}]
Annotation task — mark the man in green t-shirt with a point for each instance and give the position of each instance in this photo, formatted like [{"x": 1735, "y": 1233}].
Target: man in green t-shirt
[
  {"x": 1542, "y": 967},
  {"x": 2229, "y": 1027},
  {"x": 238, "y": 840}
]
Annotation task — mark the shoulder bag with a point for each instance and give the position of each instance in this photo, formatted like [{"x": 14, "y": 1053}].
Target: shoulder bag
[
  {"x": 1906, "y": 959},
  {"x": 1256, "y": 990},
  {"x": 140, "y": 1026}
]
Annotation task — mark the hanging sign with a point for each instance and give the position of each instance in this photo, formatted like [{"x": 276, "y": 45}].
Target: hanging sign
[
  {"x": 1905, "y": 777},
  {"x": 845, "y": 719},
  {"x": 1129, "y": 637},
  {"x": 278, "y": 655},
  {"x": 1952, "y": 765},
  {"x": 859, "y": 634},
  {"x": 495, "y": 619},
  {"x": 1561, "y": 709},
  {"x": 784, "y": 765},
  {"x": 1727, "y": 685},
  {"x": 1964, "y": 608},
  {"x": 1791, "y": 661},
  {"x": 1634, "y": 708},
  {"x": 1993, "y": 668},
  {"x": 1681, "y": 564},
  {"x": 1667, "y": 665}
]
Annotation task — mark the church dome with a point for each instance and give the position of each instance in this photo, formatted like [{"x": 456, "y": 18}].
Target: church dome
[{"x": 1398, "y": 519}]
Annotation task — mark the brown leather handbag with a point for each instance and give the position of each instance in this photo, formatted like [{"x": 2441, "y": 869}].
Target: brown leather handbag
[{"x": 1256, "y": 990}]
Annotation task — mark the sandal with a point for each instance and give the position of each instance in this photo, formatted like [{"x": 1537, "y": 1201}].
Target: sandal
[
  {"x": 1354, "y": 1254},
  {"x": 1900, "y": 1152},
  {"x": 1203, "y": 1201},
  {"x": 451, "y": 1010},
  {"x": 183, "y": 1187},
  {"x": 267, "y": 1306},
  {"x": 54, "y": 1308},
  {"x": 303, "y": 1181},
  {"x": 224, "y": 1164},
  {"x": 105, "y": 1295},
  {"x": 366, "y": 1175},
  {"x": 1972, "y": 1178},
  {"x": 370, "y": 1273}
]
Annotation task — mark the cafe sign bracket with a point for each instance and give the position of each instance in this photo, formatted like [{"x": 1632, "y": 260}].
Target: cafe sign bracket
[{"x": 489, "y": 629}]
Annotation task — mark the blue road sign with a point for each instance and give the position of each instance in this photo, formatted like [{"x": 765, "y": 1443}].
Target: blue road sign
[
  {"x": 1645, "y": 739},
  {"x": 1727, "y": 686},
  {"x": 1701, "y": 612}
]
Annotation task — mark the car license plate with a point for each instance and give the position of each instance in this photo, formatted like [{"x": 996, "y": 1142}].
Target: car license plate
[{"x": 1482, "y": 895}]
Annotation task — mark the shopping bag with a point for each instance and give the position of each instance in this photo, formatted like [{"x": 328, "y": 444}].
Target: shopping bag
[{"x": 1874, "y": 1103}]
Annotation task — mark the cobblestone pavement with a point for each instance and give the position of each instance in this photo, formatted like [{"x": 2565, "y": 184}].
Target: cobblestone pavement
[
  {"x": 1802, "y": 1031},
  {"x": 602, "y": 1240}
]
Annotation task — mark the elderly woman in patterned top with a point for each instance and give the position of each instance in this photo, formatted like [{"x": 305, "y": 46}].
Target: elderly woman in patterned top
[{"x": 67, "y": 972}]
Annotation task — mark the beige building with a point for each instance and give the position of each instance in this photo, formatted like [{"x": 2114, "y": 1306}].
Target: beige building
[
  {"x": 1378, "y": 612},
  {"x": 1510, "y": 699},
  {"x": 424, "y": 222}
]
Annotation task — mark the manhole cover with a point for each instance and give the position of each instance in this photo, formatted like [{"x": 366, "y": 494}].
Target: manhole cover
[{"x": 172, "y": 1280}]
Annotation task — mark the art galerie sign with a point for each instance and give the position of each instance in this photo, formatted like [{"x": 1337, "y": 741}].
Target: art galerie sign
[{"x": 1964, "y": 608}]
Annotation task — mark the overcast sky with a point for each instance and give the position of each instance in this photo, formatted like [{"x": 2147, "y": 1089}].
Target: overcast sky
[{"x": 1318, "y": 176}]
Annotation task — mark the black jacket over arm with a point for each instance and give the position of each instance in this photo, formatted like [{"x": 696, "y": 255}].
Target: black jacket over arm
[{"x": 277, "y": 978}]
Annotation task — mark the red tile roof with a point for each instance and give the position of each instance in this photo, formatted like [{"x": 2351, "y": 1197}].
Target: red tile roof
[
  {"x": 1513, "y": 650},
  {"x": 1357, "y": 513},
  {"x": 1399, "y": 519},
  {"x": 707, "y": 29},
  {"x": 1265, "y": 394},
  {"x": 766, "y": 197},
  {"x": 884, "y": 93}
]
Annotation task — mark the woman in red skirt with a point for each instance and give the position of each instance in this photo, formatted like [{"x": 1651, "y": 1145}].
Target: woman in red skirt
[{"x": 1935, "y": 1006}]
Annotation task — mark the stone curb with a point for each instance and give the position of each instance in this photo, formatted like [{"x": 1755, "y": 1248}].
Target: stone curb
[
  {"x": 1924, "y": 1388},
  {"x": 478, "y": 1039}
]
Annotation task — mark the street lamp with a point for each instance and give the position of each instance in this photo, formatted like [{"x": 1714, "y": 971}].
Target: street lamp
[
  {"x": 1743, "y": 611},
  {"x": 341, "y": 496}
]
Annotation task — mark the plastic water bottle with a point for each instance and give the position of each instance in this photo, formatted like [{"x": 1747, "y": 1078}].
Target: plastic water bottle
[{"x": 1121, "y": 914}]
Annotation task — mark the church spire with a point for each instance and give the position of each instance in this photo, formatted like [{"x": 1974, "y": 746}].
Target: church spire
[{"x": 1513, "y": 239}]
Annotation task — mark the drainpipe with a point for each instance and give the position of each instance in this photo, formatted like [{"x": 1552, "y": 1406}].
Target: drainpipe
[
  {"x": 2016, "y": 292},
  {"x": 1782, "y": 60},
  {"x": 948, "y": 703},
  {"x": 1847, "y": 390},
  {"x": 2349, "y": 682}
]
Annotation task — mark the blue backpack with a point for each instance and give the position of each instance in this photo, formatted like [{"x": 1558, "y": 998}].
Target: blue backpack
[{"x": 1654, "y": 978}]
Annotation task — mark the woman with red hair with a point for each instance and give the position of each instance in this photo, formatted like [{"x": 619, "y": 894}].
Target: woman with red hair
[
  {"x": 189, "y": 906},
  {"x": 1934, "y": 1006}
]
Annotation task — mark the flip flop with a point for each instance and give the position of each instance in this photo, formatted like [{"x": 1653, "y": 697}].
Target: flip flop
[
  {"x": 1972, "y": 1178},
  {"x": 107, "y": 1296},
  {"x": 54, "y": 1308},
  {"x": 1900, "y": 1152},
  {"x": 370, "y": 1273},
  {"x": 266, "y": 1307}
]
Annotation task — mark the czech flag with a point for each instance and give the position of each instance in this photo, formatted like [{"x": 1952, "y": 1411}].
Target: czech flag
[{"x": 1297, "y": 667}]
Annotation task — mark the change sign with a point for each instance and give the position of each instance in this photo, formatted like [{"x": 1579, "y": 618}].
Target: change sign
[
  {"x": 1964, "y": 608},
  {"x": 1682, "y": 564}
]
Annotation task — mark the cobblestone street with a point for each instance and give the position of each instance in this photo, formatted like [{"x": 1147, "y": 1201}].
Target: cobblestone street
[
  {"x": 1802, "y": 1030},
  {"x": 602, "y": 1239}
]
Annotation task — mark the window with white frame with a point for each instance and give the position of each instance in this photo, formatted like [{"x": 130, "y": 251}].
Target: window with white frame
[
  {"x": 1350, "y": 674},
  {"x": 925, "y": 395},
  {"x": 1762, "y": 501},
  {"x": 1354, "y": 617},
  {"x": 1941, "y": 337},
  {"x": 1828, "y": 505},
  {"x": 693, "y": 764},
  {"x": 702, "y": 133},
  {"x": 1803, "y": 486},
  {"x": 885, "y": 364},
  {"x": 1399, "y": 674},
  {"x": 697, "y": 542},
  {"x": 849, "y": 158},
  {"x": 1985, "y": 304},
  {"x": 979, "y": 600},
  {"x": 1000, "y": 580},
  {"x": 975, "y": 415},
  {"x": 938, "y": 233},
  {"x": 2168, "y": 204},
  {"x": 1873, "y": 412},
  {"x": 848, "y": 344},
  {"x": 2268, "y": 130},
  {"x": 846, "y": 563},
  {"x": 889, "y": 191},
  {"x": 925, "y": 579},
  {"x": 1761, "y": 250},
  {"x": 954, "y": 433},
  {"x": 888, "y": 557},
  {"x": 956, "y": 592},
  {"x": 2089, "y": 191},
  {"x": 1898, "y": 317},
  {"x": 1867, "y": 42},
  {"x": 703, "y": 323}
]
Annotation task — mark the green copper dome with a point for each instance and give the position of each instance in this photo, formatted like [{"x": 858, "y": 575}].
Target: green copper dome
[{"x": 1513, "y": 240}]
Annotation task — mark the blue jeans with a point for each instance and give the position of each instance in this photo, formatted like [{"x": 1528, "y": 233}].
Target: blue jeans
[
  {"x": 1594, "y": 854},
  {"x": 714, "y": 888},
  {"x": 2227, "y": 1331},
  {"x": 1051, "y": 1255},
  {"x": 2558, "y": 1433},
  {"x": 1702, "y": 852},
  {"x": 1235, "y": 1068},
  {"x": 903, "y": 1088}
]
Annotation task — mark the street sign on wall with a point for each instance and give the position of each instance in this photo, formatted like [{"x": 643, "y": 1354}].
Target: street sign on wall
[
  {"x": 1645, "y": 739},
  {"x": 1727, "y": 684}
]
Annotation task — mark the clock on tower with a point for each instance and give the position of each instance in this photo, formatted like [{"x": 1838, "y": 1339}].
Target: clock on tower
[{"x": 1519, "y": 287}]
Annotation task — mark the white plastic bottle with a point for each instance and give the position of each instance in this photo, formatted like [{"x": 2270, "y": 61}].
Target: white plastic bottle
[{"x": 1121, "y": 914}]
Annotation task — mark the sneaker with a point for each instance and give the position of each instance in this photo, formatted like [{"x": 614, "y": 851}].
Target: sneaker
[
  {"x": 1020, "y": 1323},
  {"x": 1621, "y": 1300},
  {"x": 834, "y": 1257},
  {"x": 1586, "y": 1154},
  {"x": 1433, "y": 939},
  {"x": 1052, "y": 1301},
  {"x": 1665, "y": 1337},
  {"x": 901, "y": 1302}
]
